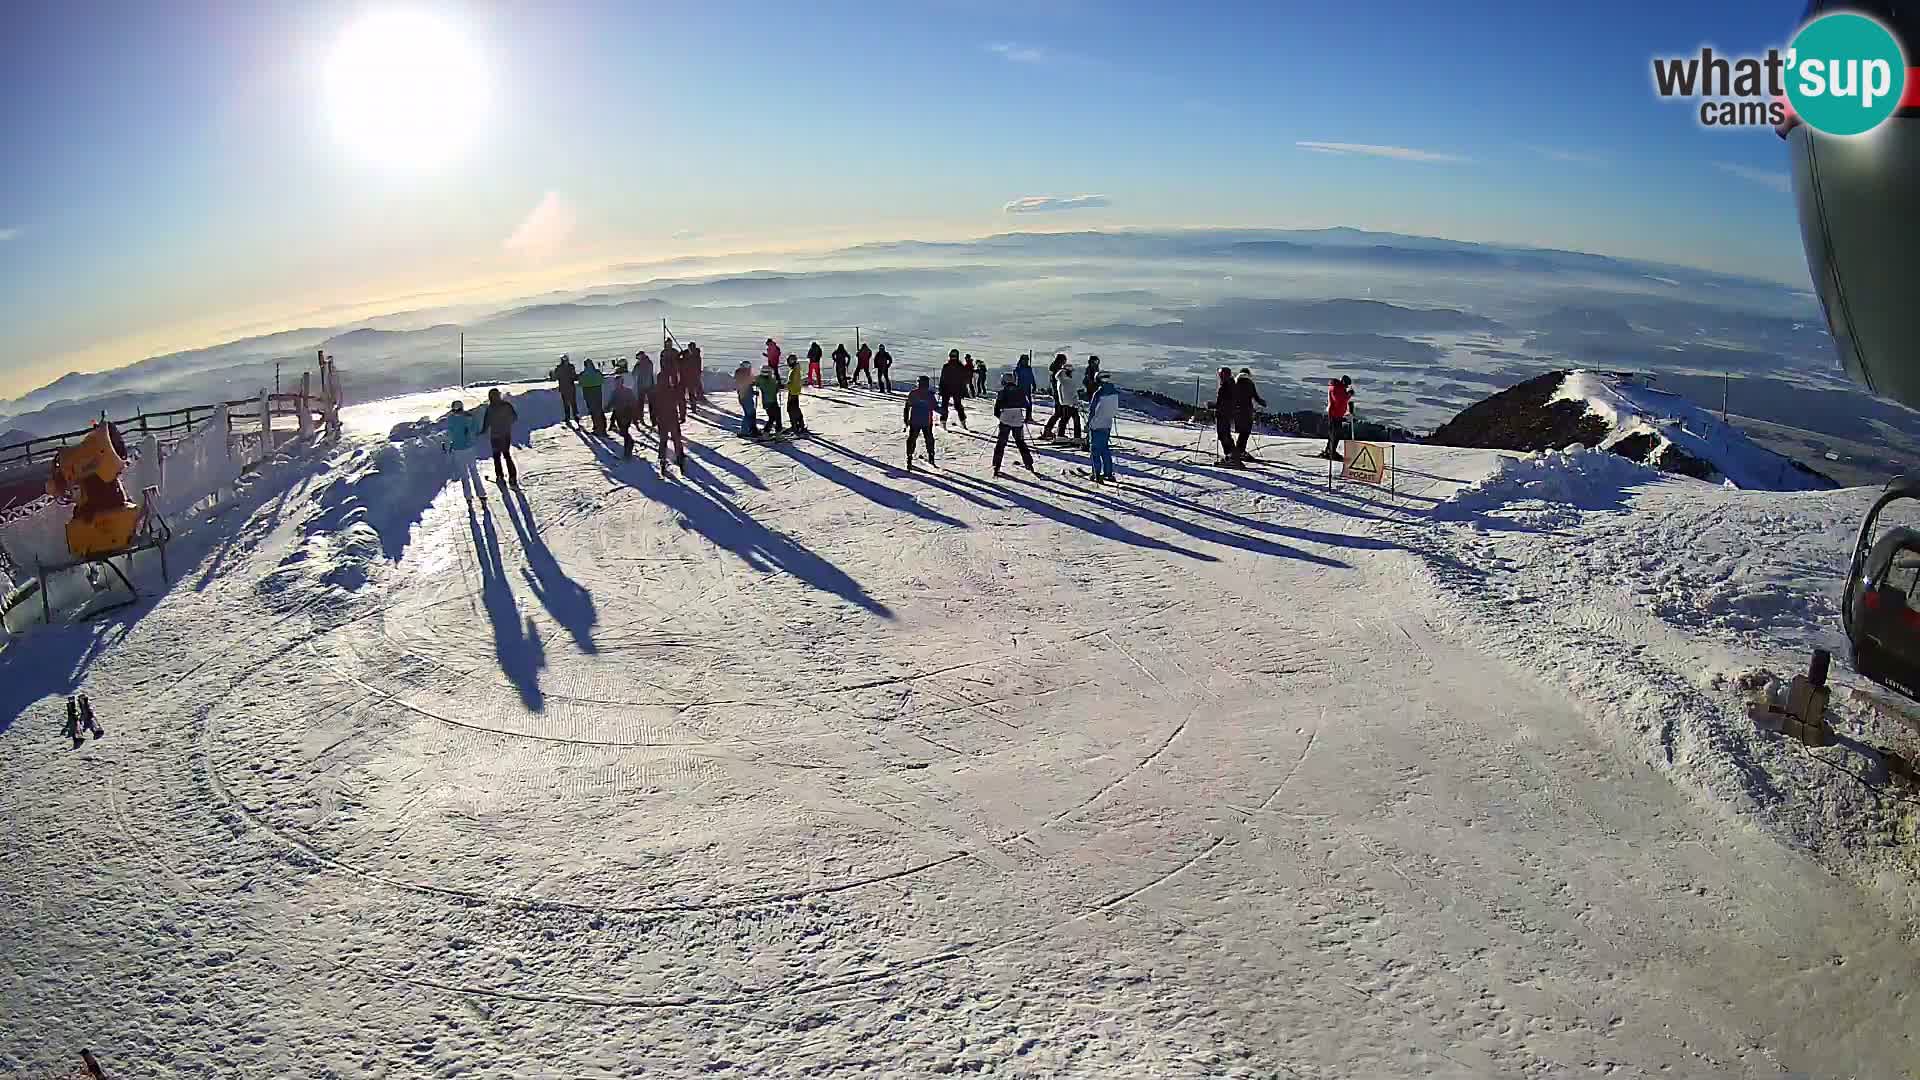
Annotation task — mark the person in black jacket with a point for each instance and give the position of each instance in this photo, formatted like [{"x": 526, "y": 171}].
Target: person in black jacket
[
  {"x": 1223, "y": 409},
  {"x": 953, "y": 388},
  {"x": 1245, "y": 397},
  {"x": 883, "y": 365},
  {"x": 840, "y": 358},
  {"x": 1011, "y": 408}
]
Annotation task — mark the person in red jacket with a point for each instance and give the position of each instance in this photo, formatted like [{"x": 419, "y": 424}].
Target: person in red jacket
[
  {"x": 864, "y": 361},
  {"x": 1339, "y": 408}
]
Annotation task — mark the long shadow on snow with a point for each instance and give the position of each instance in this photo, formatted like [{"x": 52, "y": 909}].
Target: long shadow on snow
[
  {"x": 707, "y": 512},
  {"x": 516, "y": 645},
  {"x": 1095, "y": 526},
  {"x": 1234, "y": 540},
  {"x": 878, "y": 494},
  {"x": 927, "y": 477},
  {"x": 570, "y": 604}
]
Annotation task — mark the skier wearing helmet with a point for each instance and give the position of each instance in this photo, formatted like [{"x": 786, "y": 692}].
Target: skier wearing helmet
[
  {"x": 1011, "y": 408},
  {"x": 953, "y": 388}
]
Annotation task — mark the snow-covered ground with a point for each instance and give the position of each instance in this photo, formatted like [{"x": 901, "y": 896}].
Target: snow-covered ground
[{"x": 800, "y": 765}]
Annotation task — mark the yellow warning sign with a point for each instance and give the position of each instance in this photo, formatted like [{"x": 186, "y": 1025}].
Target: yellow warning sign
[{"x": 1366, "y": 462}]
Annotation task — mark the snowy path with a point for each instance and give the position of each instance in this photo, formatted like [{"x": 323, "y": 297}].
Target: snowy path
[{"x": 801, "y": 765}]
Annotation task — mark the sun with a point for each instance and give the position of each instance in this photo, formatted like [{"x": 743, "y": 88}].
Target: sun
[{"x": 405, "y": 89}]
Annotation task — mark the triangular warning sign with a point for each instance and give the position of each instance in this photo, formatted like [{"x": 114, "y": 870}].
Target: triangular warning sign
[{"x": 1365, "y": 462}]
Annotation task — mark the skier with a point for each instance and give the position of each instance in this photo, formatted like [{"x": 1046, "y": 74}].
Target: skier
[
  {"x": 972, "y": 370},
  {"x": 624, "y": 403},
  {"x": 953, "y": 387},
  {"x": 696, "y": 370},
  {"x": 1059, "y": 361},
  {"x": 769, "y": 386},
  {"x": 1023, "y": 371},
  {"x": 1224, "y": 398},
  {"x": 980, "y": 378},
  {"x": 1101, "y": 409},
  {"x": 642, "y": 386},
  {"x": 667, "y": 392},
  {"x": 743, "y": 388},
  {"x": 461, "y": 427},
  {"x": 862, "y": 359},
  {"x": 1339, "y": 408},
  {"x": 1245, "y": 397},
  {"x": 1065, "y": 405},
  {"x": 1011, "y": 408},
  {"x": 682, "y": 385},
  {"x": 592, "y": 382},
  {"x": 794, "y": 419},
  {"x": 883, "y": 363},
  {"x": 917, "y": 416},
  {"x": 840, "y": 358},
  {"x": 773, "y": 351},
  {"x": 619, "y": 369},
  {"x": 813, "y": 365},
  {"x": 1092, "y": 376},
  {"x": 567, "y": 378},
  {"x": 498, "y": 420}
]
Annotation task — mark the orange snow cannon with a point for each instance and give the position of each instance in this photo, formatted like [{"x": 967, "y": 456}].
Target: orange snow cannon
[{"x": 88, "y": 473}]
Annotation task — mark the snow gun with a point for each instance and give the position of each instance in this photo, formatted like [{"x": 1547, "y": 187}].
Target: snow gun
[{"x": 88, "y": 475}]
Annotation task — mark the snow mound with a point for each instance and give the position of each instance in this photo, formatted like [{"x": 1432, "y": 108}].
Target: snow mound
[
  {"x": 1578, "y": 477},
  {"x": 1669, "y": 432},
  {"x": 364, "y": 513}
]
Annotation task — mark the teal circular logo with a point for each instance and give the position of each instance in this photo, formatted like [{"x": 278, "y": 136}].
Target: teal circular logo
[{"x": 1845, "y": 74}]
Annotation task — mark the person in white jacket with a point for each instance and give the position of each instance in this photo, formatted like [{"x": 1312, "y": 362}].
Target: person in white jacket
[
  {"x": 1101, "y": 409},
  {"x": 1065, "y": 405}
]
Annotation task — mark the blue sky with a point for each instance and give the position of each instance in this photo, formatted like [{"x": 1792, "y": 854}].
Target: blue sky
[{"x": 175, "y": 176}]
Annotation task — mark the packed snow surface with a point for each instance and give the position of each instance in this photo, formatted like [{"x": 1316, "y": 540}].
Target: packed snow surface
[{"x": 797, "y": 764}]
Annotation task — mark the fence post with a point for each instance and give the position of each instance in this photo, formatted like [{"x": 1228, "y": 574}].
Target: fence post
[{"x": 266, "y": 426}]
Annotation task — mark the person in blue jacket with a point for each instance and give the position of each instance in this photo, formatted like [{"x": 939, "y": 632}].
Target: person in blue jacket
[
  {"x": 918, "y": 418},
  {"x": 1101, "y": 409},
  {"x": 462, "y": 426},
  {"x": 1023, "y": 373}
]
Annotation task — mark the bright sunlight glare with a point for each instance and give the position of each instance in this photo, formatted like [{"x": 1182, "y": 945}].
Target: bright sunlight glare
[{"x": 405, "y": 89}]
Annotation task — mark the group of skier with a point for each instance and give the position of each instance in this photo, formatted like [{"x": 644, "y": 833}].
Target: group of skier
[
  {"x": 1233, "y": 402},
  {"x": 668, "y": 393}
]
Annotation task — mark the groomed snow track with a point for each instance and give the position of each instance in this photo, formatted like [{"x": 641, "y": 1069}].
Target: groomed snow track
[{"x": 798, "y": 765}]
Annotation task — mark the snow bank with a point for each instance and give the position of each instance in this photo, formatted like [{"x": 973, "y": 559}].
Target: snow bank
[
  {"x": 1580, "y": 478},
  {"x": 1671, "y": 425},
  {"x": 365, "y": 511}
]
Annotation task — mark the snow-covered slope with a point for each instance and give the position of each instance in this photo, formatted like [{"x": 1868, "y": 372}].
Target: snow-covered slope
[
  {"x": 1679, "y": 436},
  {"x": 798, "y": 764},
  {"x": 1559, "y": 410}
]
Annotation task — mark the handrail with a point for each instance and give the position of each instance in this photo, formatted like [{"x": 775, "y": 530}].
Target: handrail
[{"x": 45, "y": 446}]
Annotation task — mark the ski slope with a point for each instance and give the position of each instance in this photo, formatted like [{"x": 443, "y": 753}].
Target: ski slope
[{"x": 799, "y": 765}]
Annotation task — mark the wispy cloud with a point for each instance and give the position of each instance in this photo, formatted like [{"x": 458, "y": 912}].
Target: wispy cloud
[
  {"x": 1766, "y": 178},
  {"x": 8, "y": 234},
  {"x": 1017, "y": 53},
  {"x": 546, "y": 229},
  {"x": 1572, "y": 157},
  {"x": 1040, "y": 204},
  {"x": 1397, "y": 153}
]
